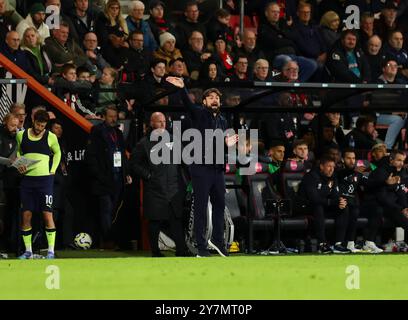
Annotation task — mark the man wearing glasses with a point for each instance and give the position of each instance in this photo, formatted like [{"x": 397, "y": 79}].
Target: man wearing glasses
[
  {"x": 95, "y": 63},
  {"x": 138, "y": 58},
  {"x": 18, "y": 109}
]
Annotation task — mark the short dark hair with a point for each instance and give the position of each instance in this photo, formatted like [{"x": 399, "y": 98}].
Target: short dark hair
[
  {"x": 348, "y": 150},
  {"x": 391, "y": 33},
  {"x": 393, "y": 154},
  {"x": 347, "y": 32},
  {"x": 276, "y": 143},
  {"x": 173, "y": 61},
  {"x": 155, "y": 62},
  {"x": 298, "y": 143},
  {"x": 240, "y": 56},
  {"x": 222, "y": 13},
  {"x": 82, "y": 69},
  {"x": 68, "y": 66},
  {"x": 41, "y": 116},
  {"x": 326, "y": 158},
  {"x": 131, "y": 34},
  {"x": 386, "y": 61},
  {"x": 110, "y": 107},
  {"x": 190, "y": 4},
  {"x": 54, "y": 121},
  {"x": 363, "y": 121}
]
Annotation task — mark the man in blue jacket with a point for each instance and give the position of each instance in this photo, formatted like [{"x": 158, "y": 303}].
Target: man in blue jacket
[{"x": 135, "y": 22}]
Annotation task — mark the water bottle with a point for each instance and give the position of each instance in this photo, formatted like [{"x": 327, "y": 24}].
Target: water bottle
[{"x": 352, "y": 143}]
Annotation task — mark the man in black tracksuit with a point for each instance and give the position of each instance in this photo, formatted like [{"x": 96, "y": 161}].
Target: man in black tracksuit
[
  {"x": 207, "y": 177},
  {"x": 387, "y": 190},
  {"x": 163, "y": 194},
  {"x": 320, "y": 190},
  {"x": 350, "y": 181}
]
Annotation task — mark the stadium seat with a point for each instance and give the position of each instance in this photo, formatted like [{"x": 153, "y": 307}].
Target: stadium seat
[
  {"x": 233, "y": 193},
  {"x": 248, "y": 22},
  {"x": 260, "y": 191}
]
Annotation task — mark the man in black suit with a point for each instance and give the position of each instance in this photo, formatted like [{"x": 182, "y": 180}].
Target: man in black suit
[
  {"x": 164, "y": 188},
  {"x": 207, "y": 174}
]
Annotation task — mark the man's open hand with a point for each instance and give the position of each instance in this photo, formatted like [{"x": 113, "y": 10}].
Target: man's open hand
[
  {"x": 231, "y": 140},
  {"x": 175, "y": 81}
]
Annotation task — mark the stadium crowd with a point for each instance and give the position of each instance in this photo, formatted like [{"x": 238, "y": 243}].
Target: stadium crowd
[{"x": 97, "y": 48}]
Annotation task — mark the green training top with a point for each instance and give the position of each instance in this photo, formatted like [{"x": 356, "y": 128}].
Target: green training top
[{"x": 36, "y": 152}]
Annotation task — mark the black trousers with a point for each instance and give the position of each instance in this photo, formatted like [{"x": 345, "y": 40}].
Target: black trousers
[
  {"x": 176, "y": 232},
  {"x": 208, "y": 182},
  {"x": 375, "y": 220},
  {"x": 108, "y": 205},
  {"x": 63, "y": 210},
  {"x": 12, "y": 219},
  {"x": 354, "y": 213},
  {"x": 341, "y": 218}
]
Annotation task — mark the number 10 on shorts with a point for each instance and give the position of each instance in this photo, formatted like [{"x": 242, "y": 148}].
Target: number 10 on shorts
[{"x": 48, "y": 200}]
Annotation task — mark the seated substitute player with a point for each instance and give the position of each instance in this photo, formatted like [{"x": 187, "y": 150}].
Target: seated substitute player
[
  {"x": 351, "y": 180},
  {"x": 36, "y": 187},
  {"x": 320, "y": 191}
]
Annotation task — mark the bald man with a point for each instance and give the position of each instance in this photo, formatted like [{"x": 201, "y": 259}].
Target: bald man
[
  {"x": 250, "y": 49},
  {"x": 163, "y": 189},
  {"x": 9, "y": 181}
]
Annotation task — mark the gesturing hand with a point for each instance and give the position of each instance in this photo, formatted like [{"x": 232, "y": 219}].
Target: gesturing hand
[
  {"x": 342, "y": 203},
  {"x": 392, "y": 179},
  {"x": 175, "y": 81},
  {"x": 231, "y": 140},
  {"x": 22, "y": 169}
]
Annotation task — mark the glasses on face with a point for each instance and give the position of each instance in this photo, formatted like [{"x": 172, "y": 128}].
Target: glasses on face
[
  {"x": 392, "y": 65},
  {"x": 292, "y": 69}
]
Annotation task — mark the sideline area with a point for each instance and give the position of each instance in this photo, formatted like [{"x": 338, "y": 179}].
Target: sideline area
[{"x": 133, "y": 275}]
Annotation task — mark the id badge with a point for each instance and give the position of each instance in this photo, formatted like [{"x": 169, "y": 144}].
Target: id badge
[{"x": 117, "y": 160}]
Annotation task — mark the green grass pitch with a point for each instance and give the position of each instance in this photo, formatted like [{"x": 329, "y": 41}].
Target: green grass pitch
[{"x": 129, "y": 275}]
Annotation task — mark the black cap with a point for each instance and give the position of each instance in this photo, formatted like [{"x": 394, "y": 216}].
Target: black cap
[
  {"x": 390, "y": 4},
  {"x": 155, "y": 3},
  {"x": 115, "y": 31},
  {"x": 220, "y": 36}
]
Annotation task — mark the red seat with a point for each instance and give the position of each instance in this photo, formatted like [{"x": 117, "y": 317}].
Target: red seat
[{"x": 248, "y": 22}]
